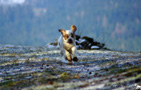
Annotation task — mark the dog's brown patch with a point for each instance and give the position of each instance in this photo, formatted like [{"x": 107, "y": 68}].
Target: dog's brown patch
[
  {"x": 65, "y": 36},
  {"x": 73, "y": 28}
]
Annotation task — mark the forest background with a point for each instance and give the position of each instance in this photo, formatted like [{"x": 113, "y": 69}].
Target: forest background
[{"x": 117, "y": 23}]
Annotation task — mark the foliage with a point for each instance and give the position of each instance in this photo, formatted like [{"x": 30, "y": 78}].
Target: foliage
[{"x": 116, "y": 23}]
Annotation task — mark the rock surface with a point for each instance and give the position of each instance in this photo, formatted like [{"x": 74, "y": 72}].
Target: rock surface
[{"x": 37, "y": 68}]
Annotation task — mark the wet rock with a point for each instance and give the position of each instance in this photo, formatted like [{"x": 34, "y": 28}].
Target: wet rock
[{"x": 95, "y": 69}]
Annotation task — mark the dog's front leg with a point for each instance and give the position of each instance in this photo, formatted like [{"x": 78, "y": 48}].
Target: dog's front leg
[
  {"x": 74, "y": 53},
  {"x": 68, "y": 56}
]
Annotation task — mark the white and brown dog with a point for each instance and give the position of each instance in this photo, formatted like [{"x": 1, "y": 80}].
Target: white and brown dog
[{"x": 67, "y": 44}]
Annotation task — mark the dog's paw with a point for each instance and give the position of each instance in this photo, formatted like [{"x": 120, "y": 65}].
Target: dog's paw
[{"x": 75, "y": 59}]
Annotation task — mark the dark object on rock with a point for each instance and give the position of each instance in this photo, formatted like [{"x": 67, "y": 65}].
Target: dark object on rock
[
  {"x": 77, "y": 37},
  {"x": 88, "y": 39},
  {"x": 54, "y": 43},
  {"x": 77, "y": 43},
  {"x": 86, "y": 43},
  {"x": 95, "y": 43}
]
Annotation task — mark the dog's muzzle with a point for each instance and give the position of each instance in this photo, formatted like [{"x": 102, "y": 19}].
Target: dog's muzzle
[{"x": 70, "y": 41}]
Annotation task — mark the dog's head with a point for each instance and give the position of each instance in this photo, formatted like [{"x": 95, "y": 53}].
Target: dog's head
[{"x": 69, "y": 35}]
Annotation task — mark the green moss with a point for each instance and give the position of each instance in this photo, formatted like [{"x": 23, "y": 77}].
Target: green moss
[
  {"x": 27, "y": 61},
  {"x": 133, "y": 71},
  {"x": 65, "y": 76},
  {"x": 48, "y": 89},
  {"x": 14, "y": 61},
  {"x": 129, "y": 71},
  {"x": 8, "y": 83},
  {"x": 45, "y": 59},
  {"x": 51, "y": 71}
]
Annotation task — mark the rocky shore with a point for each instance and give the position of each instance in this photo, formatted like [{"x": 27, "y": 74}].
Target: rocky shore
[{"x": 40, "y": 68}]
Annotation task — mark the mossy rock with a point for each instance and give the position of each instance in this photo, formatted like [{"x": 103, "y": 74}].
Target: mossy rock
[{"x": 88, "y": 39}]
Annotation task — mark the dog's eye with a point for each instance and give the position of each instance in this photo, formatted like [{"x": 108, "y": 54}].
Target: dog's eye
[
  {"x": 72, "y": 35},
  {"x": 66, "y": 36}
]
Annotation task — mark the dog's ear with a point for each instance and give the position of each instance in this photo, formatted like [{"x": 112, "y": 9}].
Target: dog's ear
[
  {"x": 65, "y": 36},
  {"x": 62, "y": 31},
  {"x": 73, "y": 28}
]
